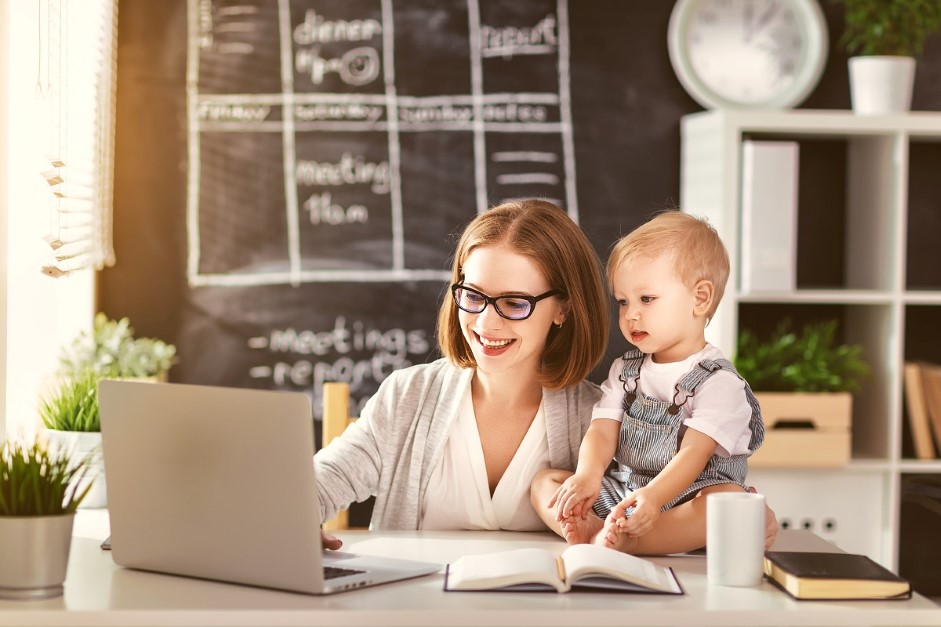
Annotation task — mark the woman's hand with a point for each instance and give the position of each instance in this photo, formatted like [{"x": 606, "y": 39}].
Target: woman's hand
[{"x": 330, "y": 541}]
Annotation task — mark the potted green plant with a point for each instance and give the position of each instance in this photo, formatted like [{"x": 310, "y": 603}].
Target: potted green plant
[
  {"x": 112, "y": 350},
  {"x": 39, "y": 493},
  {"x": 70, "y": 414},
  {"x": 70, "y": 409},
  {"x": 803, "y": 382},
  {"x": 884, "y": 37}
]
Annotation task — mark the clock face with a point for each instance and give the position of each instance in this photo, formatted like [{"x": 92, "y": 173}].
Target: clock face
[{"x": 748, "y": 53}]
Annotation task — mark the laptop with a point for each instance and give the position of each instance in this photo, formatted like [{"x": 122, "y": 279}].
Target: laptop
[{"x": 218, "y": 483}]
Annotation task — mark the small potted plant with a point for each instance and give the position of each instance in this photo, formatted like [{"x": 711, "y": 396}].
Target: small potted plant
[
  {"x": 39, "y": 493},
  {"x": 70, "y": 414},
  {"x": 111, "y": 350},
  {"x": 804, "y": 383},
  {"x": 886, "y": 36},
  {"x": 69, "y": 410}
]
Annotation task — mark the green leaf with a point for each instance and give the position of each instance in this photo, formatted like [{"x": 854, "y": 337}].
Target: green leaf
[
  {"x": 35, "y": 482},
  {"x": 809, "y": 362},
  {"x": 889, "y": 27}
]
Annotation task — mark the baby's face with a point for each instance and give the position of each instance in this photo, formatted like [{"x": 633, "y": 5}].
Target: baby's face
[{"x": 656, "y": 310}]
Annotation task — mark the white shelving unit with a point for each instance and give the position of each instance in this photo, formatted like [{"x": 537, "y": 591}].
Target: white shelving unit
[{"x": 858, "y": 505}]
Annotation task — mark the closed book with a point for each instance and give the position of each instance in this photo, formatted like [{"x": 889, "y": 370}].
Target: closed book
[
  {"x": 584, "y": 566},
  {"x": 807, "y": 575}
]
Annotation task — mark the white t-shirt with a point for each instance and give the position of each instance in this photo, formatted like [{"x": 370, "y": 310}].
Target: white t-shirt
[
  {"x": 458, "y": 494},
  {"x": 719, "y": 408}
]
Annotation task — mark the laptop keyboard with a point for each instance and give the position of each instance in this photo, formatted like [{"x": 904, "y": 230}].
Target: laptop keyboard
[{"x": 332, "y": 572}]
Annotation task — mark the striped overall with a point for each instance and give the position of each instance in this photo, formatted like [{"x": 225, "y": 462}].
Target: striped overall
[{"x": 650, "y": 436}]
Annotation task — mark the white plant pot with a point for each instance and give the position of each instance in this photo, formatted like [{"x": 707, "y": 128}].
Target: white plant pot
[
  {"x": 35, "y": 552},
  {"x": 78, "y": 445},
  {"x": 881, "y": 85}
]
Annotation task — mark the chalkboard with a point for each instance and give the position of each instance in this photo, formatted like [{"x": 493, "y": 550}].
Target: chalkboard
[{"x": 291, "y": 176}]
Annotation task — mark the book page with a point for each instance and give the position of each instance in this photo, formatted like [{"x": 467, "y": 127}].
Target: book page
[
  {"x": 504, "y": 568},
  {"x": 585, "y": 560}
]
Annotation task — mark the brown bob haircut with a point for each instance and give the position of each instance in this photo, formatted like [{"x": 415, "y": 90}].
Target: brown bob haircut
[{"x": 545, "y": 234}]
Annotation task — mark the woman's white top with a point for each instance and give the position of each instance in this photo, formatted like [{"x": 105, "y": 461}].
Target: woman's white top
[{"x": 458, "y": 495}]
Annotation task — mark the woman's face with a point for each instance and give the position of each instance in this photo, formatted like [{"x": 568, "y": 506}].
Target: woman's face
[{"x": 500, "y": 345}]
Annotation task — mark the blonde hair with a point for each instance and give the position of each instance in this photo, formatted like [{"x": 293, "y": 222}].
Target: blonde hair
[
  {"x": 545, "y": 234},
  {"x": 696, "y": 248}
]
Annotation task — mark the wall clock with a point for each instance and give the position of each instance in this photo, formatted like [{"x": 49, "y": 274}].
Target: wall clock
[{"x": 748, "y": 54}]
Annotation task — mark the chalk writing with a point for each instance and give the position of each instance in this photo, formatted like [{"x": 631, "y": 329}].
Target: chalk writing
[
  {"x": 317, "y": 29},
  {"x": 322, "y": 210},
  {"x": 349, "y": 170}
]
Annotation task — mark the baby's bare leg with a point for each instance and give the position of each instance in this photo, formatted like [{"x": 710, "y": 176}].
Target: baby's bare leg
[{"x": 679, "y": 529}]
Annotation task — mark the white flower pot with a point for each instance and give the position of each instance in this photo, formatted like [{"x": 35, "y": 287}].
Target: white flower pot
[
  {"x": 78, "y": 445},
  {"x": 881, "y": 85},
  {"x": 35, "y": 552}
]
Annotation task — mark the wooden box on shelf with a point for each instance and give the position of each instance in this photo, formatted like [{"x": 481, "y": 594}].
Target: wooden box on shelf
[{"x": 804, "y": 430}]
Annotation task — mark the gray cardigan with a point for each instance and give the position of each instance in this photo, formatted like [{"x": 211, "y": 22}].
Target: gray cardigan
[{"x": 391, "y": 451}]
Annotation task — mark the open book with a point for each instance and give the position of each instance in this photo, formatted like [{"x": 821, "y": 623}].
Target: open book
[{"x": 584, "y": 566}]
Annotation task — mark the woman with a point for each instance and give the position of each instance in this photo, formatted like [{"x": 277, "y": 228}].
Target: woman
[{"x": 455, "y": 444}]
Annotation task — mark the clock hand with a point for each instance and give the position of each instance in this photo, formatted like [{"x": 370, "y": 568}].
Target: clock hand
[
  {"x": 766, "y": 16},
  {"x": 749, "y": 16}
]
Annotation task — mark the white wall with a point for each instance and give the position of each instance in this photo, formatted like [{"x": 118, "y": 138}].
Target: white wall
[
  {"x": 38, "y": 314},
  {"x": 4, "y": 132}
]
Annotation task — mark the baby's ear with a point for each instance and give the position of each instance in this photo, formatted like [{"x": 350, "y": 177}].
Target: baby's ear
[{"x": 704, "y": 292}]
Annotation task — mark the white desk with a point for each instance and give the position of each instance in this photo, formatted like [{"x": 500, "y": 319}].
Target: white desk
[{"x": 99, "y": 593}]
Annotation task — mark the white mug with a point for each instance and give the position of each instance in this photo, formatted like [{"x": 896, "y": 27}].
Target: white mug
[{"x": 735, "y": 538}]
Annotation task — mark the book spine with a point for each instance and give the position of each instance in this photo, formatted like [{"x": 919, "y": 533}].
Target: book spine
[{"x": 769, "y": 216}]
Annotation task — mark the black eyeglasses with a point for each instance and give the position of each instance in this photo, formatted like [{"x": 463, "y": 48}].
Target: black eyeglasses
[{"x": 511, "y": 307}]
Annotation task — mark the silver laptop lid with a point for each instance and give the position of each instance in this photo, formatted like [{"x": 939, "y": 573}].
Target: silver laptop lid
[{"x": 203, "y": 481}]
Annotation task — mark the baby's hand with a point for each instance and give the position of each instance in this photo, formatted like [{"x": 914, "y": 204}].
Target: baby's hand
[
  {"x": 636, "y": 515},
  {"x": 574, "y": 497}
]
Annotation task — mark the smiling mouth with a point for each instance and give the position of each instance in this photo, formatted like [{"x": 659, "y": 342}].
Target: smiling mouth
[
  {"x": 493, "y": 344},
  {"x": 638, "y": 335}
]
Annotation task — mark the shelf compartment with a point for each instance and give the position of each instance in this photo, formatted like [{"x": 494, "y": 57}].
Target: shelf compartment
[
  {"x": 866, "y": 325},
  {"x": 923, "y": 255}
]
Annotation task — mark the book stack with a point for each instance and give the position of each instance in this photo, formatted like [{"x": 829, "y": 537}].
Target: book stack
[{"x": 923, "y": 404}]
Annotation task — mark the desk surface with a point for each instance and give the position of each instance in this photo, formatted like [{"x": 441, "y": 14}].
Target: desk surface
[{"x": 99, "y": 593}]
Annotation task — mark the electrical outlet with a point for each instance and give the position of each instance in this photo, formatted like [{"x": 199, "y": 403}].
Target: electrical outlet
[{"x": 844, "y": 508}]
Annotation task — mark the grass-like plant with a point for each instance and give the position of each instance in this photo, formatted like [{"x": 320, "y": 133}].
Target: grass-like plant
[
  {"x": 811, "y": 361},
  {"x": 889, "y": 27},
  {"x": 111, "y": 350},
  {"x": 73, "y": 404},
  {"x": 37, "y": 482}
]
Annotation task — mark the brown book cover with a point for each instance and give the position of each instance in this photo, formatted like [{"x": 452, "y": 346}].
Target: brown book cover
[
  {"x": 918, "y": 412},
  {"x": 931, "y": 381},
  {"x": 808, "y": 575}
]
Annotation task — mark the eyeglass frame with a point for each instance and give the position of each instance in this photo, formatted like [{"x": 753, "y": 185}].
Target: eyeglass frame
[{"x": 492, "y": 300}]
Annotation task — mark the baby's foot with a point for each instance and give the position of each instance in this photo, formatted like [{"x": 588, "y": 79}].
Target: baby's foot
[
  {"x": 578, "y": 530},
  {"x": 612, "y": 537}
]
